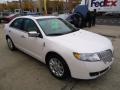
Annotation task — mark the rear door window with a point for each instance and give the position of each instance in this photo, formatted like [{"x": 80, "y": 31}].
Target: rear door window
[{"x": 18, "y": 24}]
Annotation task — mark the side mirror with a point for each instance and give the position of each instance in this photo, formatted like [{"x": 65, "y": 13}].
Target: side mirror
[{"x": 33, "y": 34}]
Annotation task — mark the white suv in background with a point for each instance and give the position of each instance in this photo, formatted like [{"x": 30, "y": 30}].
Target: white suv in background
[{"x": 66, "y": 50}]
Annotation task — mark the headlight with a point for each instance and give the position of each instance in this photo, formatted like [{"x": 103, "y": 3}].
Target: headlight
[
  {"x": 76, "y": 55},
  {"x": 90, "y": 57}
]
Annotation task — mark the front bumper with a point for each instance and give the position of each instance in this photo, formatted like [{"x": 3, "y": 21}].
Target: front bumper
[{"x": 89, "y": 70}]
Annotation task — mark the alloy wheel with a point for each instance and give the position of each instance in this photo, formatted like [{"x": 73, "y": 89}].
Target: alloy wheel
[{"x": 56, "y": 67}]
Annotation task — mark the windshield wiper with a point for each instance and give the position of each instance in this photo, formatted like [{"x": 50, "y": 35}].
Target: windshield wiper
[{"x": 56, "y": 34}]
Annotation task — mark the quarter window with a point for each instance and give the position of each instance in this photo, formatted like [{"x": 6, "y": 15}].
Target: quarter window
[{"x": 18, "y": 24}]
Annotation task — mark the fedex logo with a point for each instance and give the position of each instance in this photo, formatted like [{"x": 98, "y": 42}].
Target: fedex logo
[{"x": 103, "y": 3}]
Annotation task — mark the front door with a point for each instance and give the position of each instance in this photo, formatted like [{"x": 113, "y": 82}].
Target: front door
[{"x": 34, "y": 45}]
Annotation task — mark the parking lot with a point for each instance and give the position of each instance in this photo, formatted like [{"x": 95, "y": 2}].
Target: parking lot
[
  {"x": 108, "y": 21},
  {"x": 19, "y": 71}
]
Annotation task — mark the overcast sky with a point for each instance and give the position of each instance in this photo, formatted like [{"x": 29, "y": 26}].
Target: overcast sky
[{"x": 1, "y": 1}]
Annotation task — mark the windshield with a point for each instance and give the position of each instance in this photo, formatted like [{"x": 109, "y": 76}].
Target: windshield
[{"x": 55, "y": 26}]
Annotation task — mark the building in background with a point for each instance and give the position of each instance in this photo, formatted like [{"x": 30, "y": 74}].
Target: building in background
[
  {"x": 27, "y": 5},
  {"x": 3, "y": 7},
  {"x": 59, "y": 6},
  {"x": 55, "y": 6},
  {"x": 72, "y": 4},
  {"x": 11, "y": 6}
]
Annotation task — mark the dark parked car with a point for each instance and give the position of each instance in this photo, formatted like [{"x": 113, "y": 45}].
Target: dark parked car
[
  {"x": 31, "y": 13},
  {"x": 2, "y": 15},
  {"x": 75, "y": 19},
  {"x": 10, "y": 17},
  {"x": 78, "y": 17}
]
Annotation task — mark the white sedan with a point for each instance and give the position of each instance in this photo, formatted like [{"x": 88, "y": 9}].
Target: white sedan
[{"x": 66, "y": 50}]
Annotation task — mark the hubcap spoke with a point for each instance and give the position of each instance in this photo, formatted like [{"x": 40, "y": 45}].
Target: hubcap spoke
[
  {"x": 56, "y": 67},
  {"x": 10, "y": 43}
]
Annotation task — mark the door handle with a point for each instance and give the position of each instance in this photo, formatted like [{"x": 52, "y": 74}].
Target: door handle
[{"x": 23, "y": 36}]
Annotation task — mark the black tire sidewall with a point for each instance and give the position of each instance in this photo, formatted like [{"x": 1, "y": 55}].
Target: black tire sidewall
[
  {"x": 13, "y": 48},
  {"x": 65, "y": 66}
]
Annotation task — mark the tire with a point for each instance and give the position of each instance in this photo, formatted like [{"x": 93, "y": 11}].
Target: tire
[
  {"x": 10, "y": 44},
  {"x": 58, "y": 67}
]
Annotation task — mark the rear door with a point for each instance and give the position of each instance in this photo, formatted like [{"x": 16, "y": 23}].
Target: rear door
[
  {"x": 19, "y": 33},
  {"x": 16, "y": 32}
]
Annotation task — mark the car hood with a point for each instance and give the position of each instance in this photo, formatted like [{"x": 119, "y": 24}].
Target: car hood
[{"x": 83, "y": 41}]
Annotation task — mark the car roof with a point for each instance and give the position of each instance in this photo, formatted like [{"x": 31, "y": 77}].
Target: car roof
[{"x": 37, "y": 17}]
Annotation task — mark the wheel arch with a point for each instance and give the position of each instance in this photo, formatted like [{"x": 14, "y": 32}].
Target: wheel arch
[
  {"x": 54, "y": 53},
  {"x": 7, "y": 36},
  {"x": 51, "y": 53}
]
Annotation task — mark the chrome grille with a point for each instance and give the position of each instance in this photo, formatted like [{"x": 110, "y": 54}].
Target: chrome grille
[{"x": 106, "y": 56}]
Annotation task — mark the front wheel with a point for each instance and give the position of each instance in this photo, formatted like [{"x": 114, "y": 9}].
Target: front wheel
[{"x": 58, "y": 67}]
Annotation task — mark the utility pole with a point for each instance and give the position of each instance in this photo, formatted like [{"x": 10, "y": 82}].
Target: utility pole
[
  {"x": 20, "y": 2},
  {"x": 40, "y": 5},
  {"x": 45, "y": 6},
  {"x": 58, "y": 6},
  {"x": 66, "y": 6}
]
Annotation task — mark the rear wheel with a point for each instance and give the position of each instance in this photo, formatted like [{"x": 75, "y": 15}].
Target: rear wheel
[
  {"x": 10, "y": 44},
  {"x": 58, "y": 67}
]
